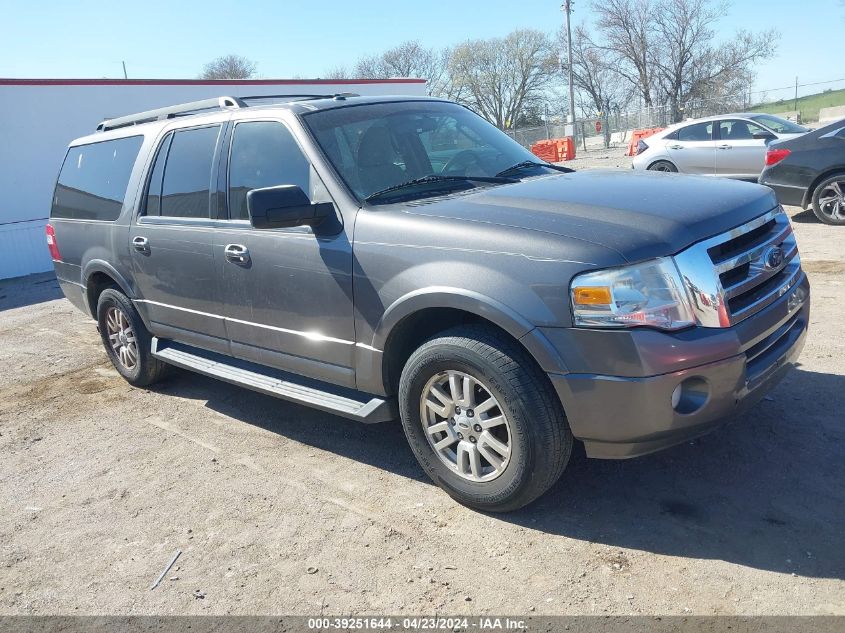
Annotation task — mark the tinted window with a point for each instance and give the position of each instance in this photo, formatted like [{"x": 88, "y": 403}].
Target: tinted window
[
  {"x": 696, "y": 132},
  {"x": 187, "y": 173},
  {"x": 734, "y": 130},
  {"x": 154, "y": 190},
  {"x": 264, "y": 154},
  {"x": 93, "y": 180}
]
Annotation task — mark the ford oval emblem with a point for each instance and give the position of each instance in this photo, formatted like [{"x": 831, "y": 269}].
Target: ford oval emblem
[{"x": 773, "y": 257}]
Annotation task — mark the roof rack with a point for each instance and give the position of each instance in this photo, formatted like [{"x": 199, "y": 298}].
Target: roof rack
[
  {"x": 170, "y": 112},
  {"x": 193, "y": 107}
]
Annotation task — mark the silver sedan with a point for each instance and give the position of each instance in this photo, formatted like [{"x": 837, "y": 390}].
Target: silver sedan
[{"x": 728, "y": 145}]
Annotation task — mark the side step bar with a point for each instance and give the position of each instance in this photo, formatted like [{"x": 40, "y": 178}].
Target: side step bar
[{"x": 274, "y": 382}]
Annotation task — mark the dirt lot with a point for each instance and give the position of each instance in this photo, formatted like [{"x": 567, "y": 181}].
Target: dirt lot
[{"x": 281, "y": 509}]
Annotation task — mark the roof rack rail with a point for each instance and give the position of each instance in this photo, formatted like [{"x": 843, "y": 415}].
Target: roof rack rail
[
  {"x": 223, "y": 103},
  {"x": 303, "y": 97}
]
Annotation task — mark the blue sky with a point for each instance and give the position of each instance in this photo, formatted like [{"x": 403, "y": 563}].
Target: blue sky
[{"x": 304, "y": 38}]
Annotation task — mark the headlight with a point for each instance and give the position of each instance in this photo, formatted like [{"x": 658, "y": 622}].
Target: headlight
[{"x": 650, "y": 294}]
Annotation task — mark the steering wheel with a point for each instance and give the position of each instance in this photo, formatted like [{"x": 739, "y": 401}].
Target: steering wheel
[{"x": 460, "y": 161}]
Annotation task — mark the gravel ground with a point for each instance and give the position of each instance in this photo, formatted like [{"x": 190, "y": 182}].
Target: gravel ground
[{"x": 279, "y": 509}]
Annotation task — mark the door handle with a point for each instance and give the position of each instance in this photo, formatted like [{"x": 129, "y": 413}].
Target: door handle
[
  {"x": 236, "y": 253},
  {"x": 141, "y": 244},
  {"x": 676, "y": 147},
  {"x": 724, "y": 146}
]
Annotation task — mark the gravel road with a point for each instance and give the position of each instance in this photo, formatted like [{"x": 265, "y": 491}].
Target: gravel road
[{"x": 279, "y": 509}]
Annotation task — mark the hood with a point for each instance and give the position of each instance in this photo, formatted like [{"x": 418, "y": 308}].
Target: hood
[{"x": 640, "y": 215}]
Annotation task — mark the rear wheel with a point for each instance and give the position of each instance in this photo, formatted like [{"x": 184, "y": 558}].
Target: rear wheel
[
  {"x": 829, "y": 200},
  {"x": 663, "y": 165},
  {"x": 127, "y": 340},
  {"x": 483, "y": 420}
]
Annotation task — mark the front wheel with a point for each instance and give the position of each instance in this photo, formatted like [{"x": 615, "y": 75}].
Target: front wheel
[
  {"x": 829, "y": 200},
  {"x": 482, "y": 419}
]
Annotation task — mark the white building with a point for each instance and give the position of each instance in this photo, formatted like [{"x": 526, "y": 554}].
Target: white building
[{"x": 39, "y": 117}]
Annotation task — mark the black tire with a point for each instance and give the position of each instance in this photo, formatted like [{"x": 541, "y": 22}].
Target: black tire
[
  {"x": 663, "y": 165},
  {"x": 146, "y": 369},
  {"x": 823, "y": 211},
  {"x": 540, "y": 438}
]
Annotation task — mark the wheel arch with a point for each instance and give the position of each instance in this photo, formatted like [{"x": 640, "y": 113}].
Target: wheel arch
[
  {"x": 808, "y": 195},
  {"x": 413, "y": 319},
  {"x": 97, "y": 276}
]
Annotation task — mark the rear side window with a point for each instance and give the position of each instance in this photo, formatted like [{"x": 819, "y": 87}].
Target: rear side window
[
  {"x": 180, "y": 182},
  {"x": 264, "y": 154},
  {"x": 93, "y": 180},
  {"x": 697, "y": 132}
]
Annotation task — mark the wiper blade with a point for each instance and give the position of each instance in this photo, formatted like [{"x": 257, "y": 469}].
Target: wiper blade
[
  {"x": 434, "y": 178},
  {"x": 532, "y": 163}
]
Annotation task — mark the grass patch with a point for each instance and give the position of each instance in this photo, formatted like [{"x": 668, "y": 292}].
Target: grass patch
[{"x": 808, "y": 105}]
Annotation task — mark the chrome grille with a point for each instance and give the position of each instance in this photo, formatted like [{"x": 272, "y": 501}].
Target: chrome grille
[{"x": 738, "y": 273}]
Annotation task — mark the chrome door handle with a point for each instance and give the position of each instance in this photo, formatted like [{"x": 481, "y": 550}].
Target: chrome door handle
[
  {"x": 236, "y": 253},
  {"x": 676, "y": 147},
  {"x": 725, "y": 146},
  {"x": 141, "y": 244}
]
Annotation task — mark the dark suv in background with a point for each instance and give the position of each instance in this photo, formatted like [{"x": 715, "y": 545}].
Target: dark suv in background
[{"x": 384, "y": 257}]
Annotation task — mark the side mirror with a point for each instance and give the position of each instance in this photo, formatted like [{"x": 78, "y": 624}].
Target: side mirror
[
  {"x": 764, "y": 136},
  {"x": 284, "y": 206}
]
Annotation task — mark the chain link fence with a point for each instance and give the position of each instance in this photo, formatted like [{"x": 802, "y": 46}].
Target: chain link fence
[{"x": 614, "y": 127}]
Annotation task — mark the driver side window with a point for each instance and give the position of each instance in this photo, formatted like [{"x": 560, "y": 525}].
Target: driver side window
[{"x": 264, "y": 154}]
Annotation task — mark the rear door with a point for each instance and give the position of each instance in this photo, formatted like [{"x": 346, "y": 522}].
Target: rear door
[
  {"x": 692, "y": 148},
  {"x": 738, "y": 153},
  {"x": 171, "y": 241},
  {"x": 286, "y": 293}
]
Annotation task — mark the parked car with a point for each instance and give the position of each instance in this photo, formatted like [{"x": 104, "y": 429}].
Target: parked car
[
  {"x": 809, "y": 171},
  {"x": 382, "y": 257},
  {"x": 729, "y": 145}
]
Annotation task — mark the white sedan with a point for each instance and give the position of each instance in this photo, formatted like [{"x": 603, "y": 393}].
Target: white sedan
[{"x": 728, "y": 145}]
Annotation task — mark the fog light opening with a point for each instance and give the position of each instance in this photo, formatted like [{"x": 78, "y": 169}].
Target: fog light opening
[{"x": 690, "y": 396}]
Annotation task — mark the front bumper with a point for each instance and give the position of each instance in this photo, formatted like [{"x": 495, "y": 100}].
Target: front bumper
[{"x": 618, "y": 399}]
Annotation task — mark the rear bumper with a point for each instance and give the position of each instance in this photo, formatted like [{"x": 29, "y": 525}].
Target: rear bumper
[
  {"x": 787, "y": 194},
  {"x": 723, "y": 372}
]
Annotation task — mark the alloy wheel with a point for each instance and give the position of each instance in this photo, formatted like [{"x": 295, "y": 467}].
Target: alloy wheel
[
  {"x": 122, "y": 337},
  {"x": 832, "y": 200},
  {"x": 465, "y": 425}
]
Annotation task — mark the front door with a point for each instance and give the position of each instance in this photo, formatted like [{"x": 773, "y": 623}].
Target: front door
[
  {"x": 287, "y": 293},
  {"x": 171, "y": 242},
  {"x": 692, "y": 149},
  {"x": 738, "y": 153}
]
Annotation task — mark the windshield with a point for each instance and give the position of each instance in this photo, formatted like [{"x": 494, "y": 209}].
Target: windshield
[
  {"x": 381, "y": 145},
  {"x": 778, "y": 125}
]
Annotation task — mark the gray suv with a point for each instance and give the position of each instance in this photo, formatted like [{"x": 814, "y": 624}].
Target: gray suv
[{"x": 400, "y": 257}]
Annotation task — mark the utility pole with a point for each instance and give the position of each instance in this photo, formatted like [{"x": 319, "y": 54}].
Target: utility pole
[
  {"x": 125, "y": 76},
  {"x": 567, "y": 6},
  {"x": 795, "y": 106}
]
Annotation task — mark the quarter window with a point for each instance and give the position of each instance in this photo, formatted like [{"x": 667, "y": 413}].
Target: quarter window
[
  {"x": 93, "y": 180},
  {"x": 181, "y": 178},
  {"x": 264, "y": 154}
]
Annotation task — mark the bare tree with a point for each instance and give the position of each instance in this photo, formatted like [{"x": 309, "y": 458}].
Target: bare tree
[
  {"x": 595, "y": 74},
  {"x": 689, "y": 65},
  {"x": 627, "y": 28},
  {"x": 503, "y": 77},
  {"x": 229, "y": 67},
  {"x": 409, "y": 59},
  {"x": 337, "y": 72}
]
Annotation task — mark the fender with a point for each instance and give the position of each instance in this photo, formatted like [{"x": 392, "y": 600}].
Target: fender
[
  {"x": 101, "y": 266},
  {"x": 369, "y": 357}
]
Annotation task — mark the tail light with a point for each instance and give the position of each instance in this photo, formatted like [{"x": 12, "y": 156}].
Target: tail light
[
  {"x": 641, "y": 147},
  {"x": 774, "y": 156},
  {"x": 52, "y": 245}
]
